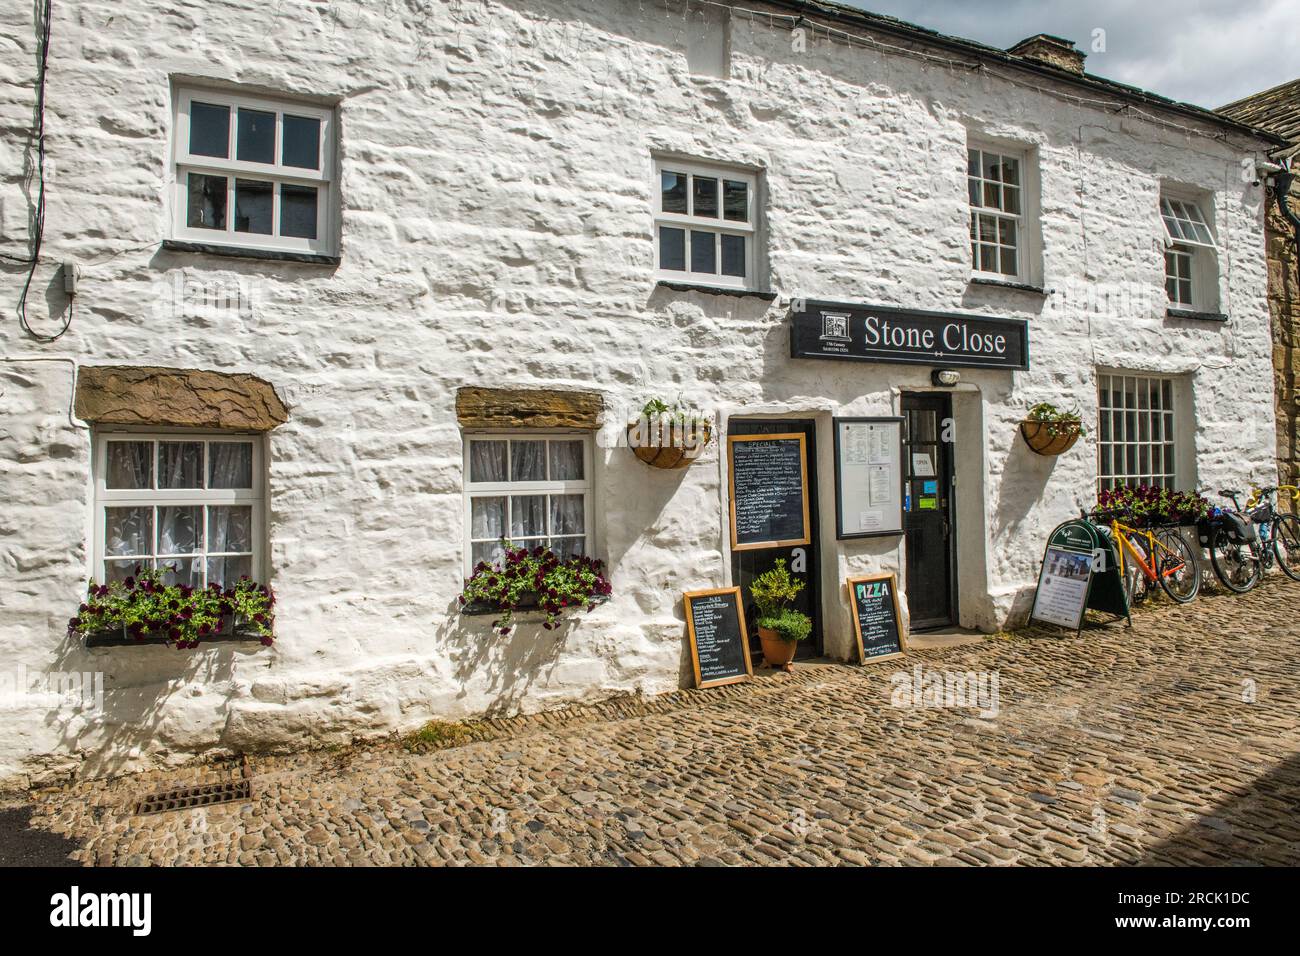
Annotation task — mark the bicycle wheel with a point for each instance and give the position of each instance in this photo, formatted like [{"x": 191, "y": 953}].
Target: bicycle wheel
[
  {"x": 1286, "y": 545},
  {"x": 1176, "y": 565},
  {"x": 1134, "y": 581},
  {"x": 1235, "y": 567}
]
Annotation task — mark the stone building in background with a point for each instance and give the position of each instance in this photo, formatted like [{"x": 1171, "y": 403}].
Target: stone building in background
[
  {"x": 365, "y": 287},
  {"x": 1278, "y": 110}
]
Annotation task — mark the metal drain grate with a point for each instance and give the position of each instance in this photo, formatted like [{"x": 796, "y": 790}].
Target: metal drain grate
[{"x": 204, "y": 795}]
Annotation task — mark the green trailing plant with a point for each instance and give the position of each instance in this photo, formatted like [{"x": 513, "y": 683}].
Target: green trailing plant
[
  {"x": 144, "y": 606},
  {"x": 774, "y": 589},
  {"x": 790, "y": 625},
  {"x": 664, "y": 424},
  {"x": 1059, "y": 422},
  {"x": 538, "y": 578}
]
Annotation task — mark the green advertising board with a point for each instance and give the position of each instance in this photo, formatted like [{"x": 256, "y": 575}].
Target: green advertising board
[{"x": 1080, "y": 570}]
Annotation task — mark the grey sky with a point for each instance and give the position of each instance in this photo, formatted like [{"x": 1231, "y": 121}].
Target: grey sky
[{"x": 1207, "y": 52}]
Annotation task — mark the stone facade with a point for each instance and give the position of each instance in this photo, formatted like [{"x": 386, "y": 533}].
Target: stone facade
[
  {"x": 1284, "y": 310},
  {"x": 176, "y": 398},
  {"x": 1278, "y": 110},
  {"x": 495, "y": 193}
]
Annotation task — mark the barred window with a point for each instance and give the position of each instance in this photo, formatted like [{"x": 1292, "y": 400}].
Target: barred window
[{"x": 1135, "y": 431}]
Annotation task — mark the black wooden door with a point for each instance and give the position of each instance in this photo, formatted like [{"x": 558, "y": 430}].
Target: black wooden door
[
  {"x": 801, "y": 559},
  {"x": 928, "y": 509}
]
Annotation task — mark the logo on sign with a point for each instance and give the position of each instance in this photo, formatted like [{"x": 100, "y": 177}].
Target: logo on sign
[{"x": 835, "y": 326}]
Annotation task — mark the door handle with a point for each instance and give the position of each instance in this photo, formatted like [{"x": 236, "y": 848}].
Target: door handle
[{"x": 945, "y": 529}]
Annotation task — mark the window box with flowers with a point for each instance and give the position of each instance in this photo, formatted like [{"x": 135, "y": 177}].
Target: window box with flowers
[
  {"x": 143, "y": 609},
  {"x": 524, "y": 580}
]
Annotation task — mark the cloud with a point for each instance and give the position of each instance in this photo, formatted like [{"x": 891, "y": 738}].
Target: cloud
[{"x": 1207, "y": 52}]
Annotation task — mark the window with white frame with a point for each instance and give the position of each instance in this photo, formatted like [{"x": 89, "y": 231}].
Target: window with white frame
[
  {"x": 1136, "y": 431},
  {"x": 706, "y": 227},
  {"x": 253, "y": 172},
  {"x": 996, "y": 185},
  {"x": 531, "y": 489},
  {"x": 189, "y": 505},
  {"x": 1191, "y": 263}
]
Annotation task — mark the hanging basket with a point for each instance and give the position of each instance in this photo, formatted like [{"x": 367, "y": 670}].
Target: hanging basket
[
  {"x": 1050, "y": 438},
  {"x": 668, "y": 456}
]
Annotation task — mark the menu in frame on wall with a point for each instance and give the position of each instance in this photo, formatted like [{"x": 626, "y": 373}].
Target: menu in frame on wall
[
  {"x": 715, "y": 623},
  {"x": 768, "y": 477},
  {"x": 868, "y": 477},
  {"x": 877, "y": 624}
]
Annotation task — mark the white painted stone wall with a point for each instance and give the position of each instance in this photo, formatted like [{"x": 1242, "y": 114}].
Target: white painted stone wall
[{"x": 496, "y": 230}]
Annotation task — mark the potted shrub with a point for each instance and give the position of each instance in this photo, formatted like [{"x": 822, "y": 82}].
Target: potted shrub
[
  {"x": 537, "y": 579},
  {"x": 144, "y": 610},
  {"x": 669, "y": 436},
  {"x": 1048, "y": 430},
  {"x": 780, "y": 627}
]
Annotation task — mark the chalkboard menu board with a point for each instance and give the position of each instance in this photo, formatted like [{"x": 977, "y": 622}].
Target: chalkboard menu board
[
  {"x": 715, "y": 621},
  {"x": 769, "y": 491},
  {"x": 874, "y": 600}
]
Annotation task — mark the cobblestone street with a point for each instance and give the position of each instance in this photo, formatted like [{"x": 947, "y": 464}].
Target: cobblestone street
[{"x": 1177, "y": 742}]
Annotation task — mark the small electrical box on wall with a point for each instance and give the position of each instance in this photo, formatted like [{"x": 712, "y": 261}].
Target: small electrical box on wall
[{"x": 71, "y": 273}]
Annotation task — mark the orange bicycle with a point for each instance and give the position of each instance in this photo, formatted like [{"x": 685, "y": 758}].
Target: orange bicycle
[{"x": 1149, "y": 556}]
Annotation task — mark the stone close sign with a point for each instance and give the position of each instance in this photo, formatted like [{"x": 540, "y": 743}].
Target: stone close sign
[{"x": 869, "y": 333}]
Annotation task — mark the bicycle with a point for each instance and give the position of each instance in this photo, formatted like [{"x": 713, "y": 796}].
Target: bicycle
[
  {"x": 1156, "y": 555},
  {"x": 1279, "y": 531},
  {"x": 1233, "y": 544}
]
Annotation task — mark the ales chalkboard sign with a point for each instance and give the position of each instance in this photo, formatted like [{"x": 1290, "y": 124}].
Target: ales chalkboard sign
[
  {"x": 876, "y": 620},
  {"x": 715, "y": 621},
  {"x": 769, "y": 491}
]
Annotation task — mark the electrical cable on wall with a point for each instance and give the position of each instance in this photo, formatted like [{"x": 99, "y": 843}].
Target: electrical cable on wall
[{"x": 39, "y": 217}]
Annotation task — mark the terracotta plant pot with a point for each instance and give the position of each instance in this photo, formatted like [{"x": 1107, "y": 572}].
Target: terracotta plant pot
[
  {"x": 1041, "y": 440},
  {"x": 668, "y": 456},
  {"x": 777, "y": 653}
]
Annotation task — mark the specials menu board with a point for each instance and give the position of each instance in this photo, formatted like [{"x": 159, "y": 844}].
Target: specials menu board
[
  {"x": 876, "y": 621},
  {"x": 769, "y": 491},
  {"x": 715, "y": 621}
]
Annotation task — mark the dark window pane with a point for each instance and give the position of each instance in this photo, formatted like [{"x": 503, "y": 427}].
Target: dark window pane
[
  {"x": 209, "y": 130},
  {"x": 253, "y": 206},
  {"x": 703, "y": 255},
  {"x": 705, "y": 201},
  {"x": 180, "y": 464},
  {"x": 487, "y": 461},
  {"x": 733, "y": 256},
  {"x": 735, "y": 201},
  {"x": 207, "y": 202},
  {"x": 673, "y": 187},
  {"x": 301, "y": 146},
  {"x": 298, "y": 211},
  {"x": 1009, "y": 265},
  {"x": 528, "y": 461},
  {"x": 130, "y": 464},
  {"x": 672, "y": 249},
  {"x": 230, "y": 464},
  {"x": 256, "y": 142}
]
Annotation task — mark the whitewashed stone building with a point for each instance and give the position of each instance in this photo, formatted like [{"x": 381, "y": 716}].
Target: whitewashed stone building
[{"x": 319, "y": 251}]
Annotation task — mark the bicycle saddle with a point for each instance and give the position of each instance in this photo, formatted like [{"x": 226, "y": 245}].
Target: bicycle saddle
[{"x": 1229, "y": 492}]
